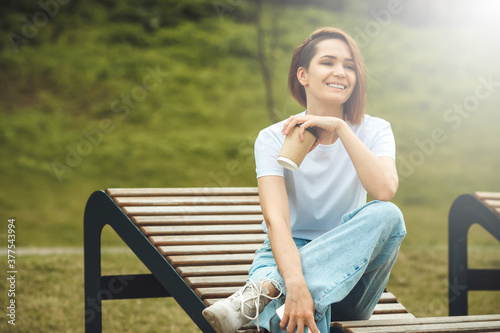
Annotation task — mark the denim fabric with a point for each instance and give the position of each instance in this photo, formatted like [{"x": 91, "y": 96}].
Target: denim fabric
[{"x": 346, "y": 269}]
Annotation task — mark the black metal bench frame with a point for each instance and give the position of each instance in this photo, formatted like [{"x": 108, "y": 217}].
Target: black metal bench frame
[{"x": 466, "y": 211}]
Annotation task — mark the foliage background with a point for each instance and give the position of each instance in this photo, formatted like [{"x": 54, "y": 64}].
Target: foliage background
[{"x": 76, "y": 116}]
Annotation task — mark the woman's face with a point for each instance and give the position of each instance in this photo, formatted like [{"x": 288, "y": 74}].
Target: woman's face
[{"x": 331, "y": 75}]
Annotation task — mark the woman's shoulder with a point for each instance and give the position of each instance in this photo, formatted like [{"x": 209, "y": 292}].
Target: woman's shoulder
[
  {"x": 371, "y": 128},
  {"x": 371, "y": 120},
  {"x": 275, "y": 129},
  {"x": 271, "y": 135},
  {"x": 371, "y": 123}
]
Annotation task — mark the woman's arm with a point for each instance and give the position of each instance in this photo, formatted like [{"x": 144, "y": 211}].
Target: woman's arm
[
  {"x": 378, "y": 175},
  {"x": 299, "y": 306}
]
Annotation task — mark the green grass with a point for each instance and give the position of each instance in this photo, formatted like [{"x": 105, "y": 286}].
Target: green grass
[
  {"x": 50, "y": 291},
  {"x": 50, "y": 299},
  {"x": 197, "y": 128}
]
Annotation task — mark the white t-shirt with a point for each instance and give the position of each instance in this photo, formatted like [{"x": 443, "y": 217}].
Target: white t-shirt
[{"x": 326, "y": 185}]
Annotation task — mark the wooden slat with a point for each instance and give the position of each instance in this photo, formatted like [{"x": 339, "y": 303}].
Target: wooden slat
[
  {"x": 382, "y": 311},
  {"x": 198, "y": 219},
  {"x": 410, "y": 324},
  {"x": 191, "y": 210},
  {"x": 388, "y": 297},
  {"x": 492, "y": 203},
  {"x": 212, "y": 259},
  {"x": 208, "y": 249},
  {"x": 207, "y": 239},
  {"x": 379, "y": 317},
  {"x": 399, "y": 317},
  {"x": 205, "y": 293},
  {"x": 202, "y": 230},
  {"x": 487, "y": 195},
  {"x": 217, "y": 281},
  {"x": 211, "y": 301},
  {"x": 186, "y": 271},
  {"x": 392, "y": 316},
  {"x": 186, "y": 200},
  {"x": 490, "y": 199},
  {"x": 182, "y": 191},
  {"x": 389, "y": 308},
  {"x": 479, "y": 326}
]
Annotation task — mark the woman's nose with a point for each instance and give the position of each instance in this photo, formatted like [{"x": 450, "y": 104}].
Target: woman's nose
[{"x": 338, "y": 71}]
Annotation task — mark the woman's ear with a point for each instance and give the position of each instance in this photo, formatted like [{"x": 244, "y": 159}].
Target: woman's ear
[{"x": 302, "y": 76}]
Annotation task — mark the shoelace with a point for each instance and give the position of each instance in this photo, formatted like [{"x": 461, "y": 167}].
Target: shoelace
[{"x": 256, "y": 291}]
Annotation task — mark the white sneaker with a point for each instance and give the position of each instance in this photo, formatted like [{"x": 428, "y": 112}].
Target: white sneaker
[{"x": 245, "y": 305}]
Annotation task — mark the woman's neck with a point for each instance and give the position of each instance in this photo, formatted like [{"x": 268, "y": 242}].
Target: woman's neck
[
  {"x": 331, "y": 110},
  {"x": 323, "y": 109}
]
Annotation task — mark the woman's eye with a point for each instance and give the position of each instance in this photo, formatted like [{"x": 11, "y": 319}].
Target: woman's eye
[
  {"x": 327, "y": 63},
  {"x": 350, "y": 67}
]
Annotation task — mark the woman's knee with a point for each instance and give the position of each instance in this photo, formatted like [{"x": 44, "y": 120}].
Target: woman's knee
[
  {"x": 391, "y": 215},
  {"x": 390, "y": 209}
]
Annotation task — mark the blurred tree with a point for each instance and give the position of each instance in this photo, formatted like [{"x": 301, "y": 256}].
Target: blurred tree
[{"x": 266, "y": 51}]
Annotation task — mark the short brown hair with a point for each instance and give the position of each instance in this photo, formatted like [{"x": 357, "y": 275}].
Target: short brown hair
[{"x": 302, "y": 55}]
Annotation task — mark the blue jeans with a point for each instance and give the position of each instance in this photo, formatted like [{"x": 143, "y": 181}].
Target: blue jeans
[{"x": 346, "y": 269}]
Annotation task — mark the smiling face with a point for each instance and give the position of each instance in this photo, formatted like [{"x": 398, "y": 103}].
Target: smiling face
[{"x": 331, "y": 75}]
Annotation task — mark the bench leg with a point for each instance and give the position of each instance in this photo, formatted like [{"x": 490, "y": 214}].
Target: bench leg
[
  {"x": 92, "y": 229},
  {"x": 459, "y": 222},
  {"x": 465, "y": 211},
  {"x": 93, "y": 297}
]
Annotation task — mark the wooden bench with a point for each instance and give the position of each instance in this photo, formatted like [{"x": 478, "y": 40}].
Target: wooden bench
[
  {"x": 482, "y": 208},
  {"x": 198, "y": 244}
]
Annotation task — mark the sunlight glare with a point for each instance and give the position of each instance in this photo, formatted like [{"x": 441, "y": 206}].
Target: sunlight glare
[{"x": 485, "y": 13}]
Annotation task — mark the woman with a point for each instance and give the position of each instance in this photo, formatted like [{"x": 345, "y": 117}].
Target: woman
[{"x": 328, "y": 253}]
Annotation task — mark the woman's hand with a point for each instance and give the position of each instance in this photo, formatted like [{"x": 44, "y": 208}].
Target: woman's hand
[
  {"x": 299, "y": 308},
  {"x": 378, "y": 175},
  {"x": 326, "y": 127}
]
